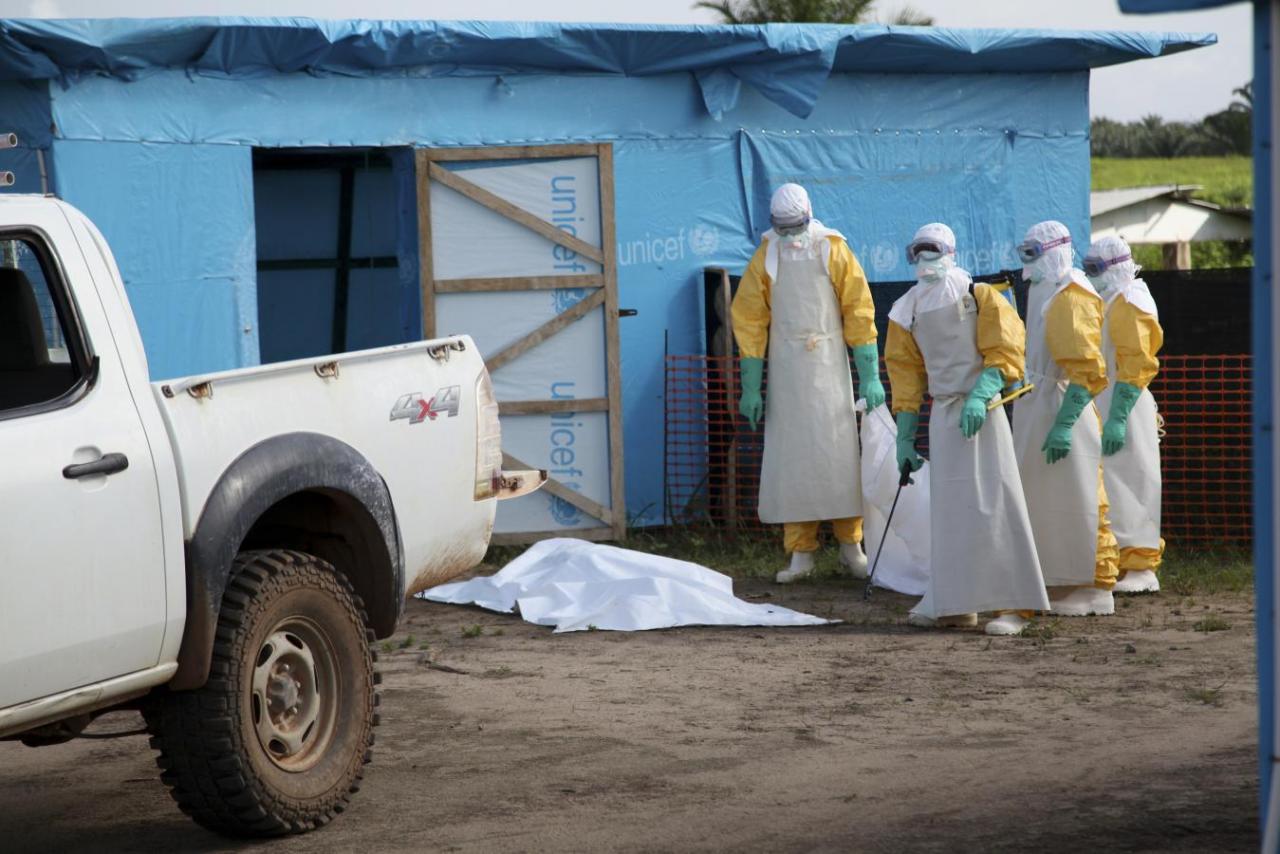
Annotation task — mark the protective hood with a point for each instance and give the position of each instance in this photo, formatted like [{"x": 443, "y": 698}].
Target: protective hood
[
  {"x": 1118, "y": 274},
  {"x": 1055, "y": 264},
  {"x": 934, "y": 234},
  {"x": 789, "y": 202}
]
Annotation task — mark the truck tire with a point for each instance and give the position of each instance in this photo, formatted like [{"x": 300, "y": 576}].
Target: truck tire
[{"x": 276, "y": 741}]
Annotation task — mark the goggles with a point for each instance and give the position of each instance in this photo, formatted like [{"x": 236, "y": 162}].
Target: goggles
[
  {"x": 789, "y": 227},
  {"x": 1095, "y": 266},
  {"x": 927, "y": 250},
  {"x": 1030, "y": 250}
]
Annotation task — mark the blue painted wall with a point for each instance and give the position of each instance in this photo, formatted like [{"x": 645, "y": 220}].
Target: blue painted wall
[{"x": 163, "y": 165}]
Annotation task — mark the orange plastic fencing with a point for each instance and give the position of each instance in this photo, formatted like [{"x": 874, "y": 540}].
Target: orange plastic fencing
[{"x": 713, "y": 456}]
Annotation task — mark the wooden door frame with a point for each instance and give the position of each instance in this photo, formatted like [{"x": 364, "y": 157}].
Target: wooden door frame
[{"x": 605, "y": 294}]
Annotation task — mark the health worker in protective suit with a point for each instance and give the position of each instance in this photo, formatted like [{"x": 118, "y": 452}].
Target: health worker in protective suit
[
  {"x": 802, "y": 299},
  {"x": 966, "y": 344},
  {"x": 1057, "y": 433},
  {"x": 1131, "y": 338}
]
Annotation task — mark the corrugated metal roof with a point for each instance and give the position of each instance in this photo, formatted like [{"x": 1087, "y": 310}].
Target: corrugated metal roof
[{"x": 1102, "y": 201}]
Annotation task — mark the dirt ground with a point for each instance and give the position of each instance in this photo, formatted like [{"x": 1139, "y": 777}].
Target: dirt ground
[{"x": 1133, "y": 733}]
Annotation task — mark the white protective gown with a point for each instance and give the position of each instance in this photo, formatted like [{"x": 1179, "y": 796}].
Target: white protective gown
[
  {"x": 1062, "y": 498},
  {"x": 1132, "y": 474},
  {"x": 984, "y": 557},
  {"x": 811, "y": 470}
]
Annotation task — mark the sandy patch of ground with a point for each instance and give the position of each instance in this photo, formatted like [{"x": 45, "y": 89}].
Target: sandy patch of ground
[{"x": 1132, "y": 733}]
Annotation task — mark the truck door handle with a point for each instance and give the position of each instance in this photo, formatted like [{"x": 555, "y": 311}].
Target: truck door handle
[{"x": 106, "y": 464}]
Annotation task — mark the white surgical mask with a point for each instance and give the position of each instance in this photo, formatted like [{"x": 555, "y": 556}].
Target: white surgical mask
[
  {"x": 932, "y": 271},
  {"x": 1101, "y": 284},
  {"x": 799, "y": 241}
]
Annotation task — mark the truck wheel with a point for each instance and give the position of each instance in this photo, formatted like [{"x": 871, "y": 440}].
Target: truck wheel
[{"x": 277, "y": 739}]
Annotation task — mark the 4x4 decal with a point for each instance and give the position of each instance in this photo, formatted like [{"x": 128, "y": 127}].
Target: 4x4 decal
[{"x": 416, "y": 408}]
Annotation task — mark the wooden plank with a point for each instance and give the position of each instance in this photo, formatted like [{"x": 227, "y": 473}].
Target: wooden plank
[
  {"x": 499, "y": 205},
  {"x": 613, "y": 359},
  {"x": 545, "y": 331},
  {"x": 550, "y": 407},
  {"x": 426, "y": 275},
  {"x": 514, "y": 152},
  {"x": 564, "y": 493},
  {"x": 516, "y": 283},
  {"x": 525, "y": 538}
]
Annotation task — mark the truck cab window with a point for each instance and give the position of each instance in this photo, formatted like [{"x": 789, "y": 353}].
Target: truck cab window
[{"x": 35, "y": 363}]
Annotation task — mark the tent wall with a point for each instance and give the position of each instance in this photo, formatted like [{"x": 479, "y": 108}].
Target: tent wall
[
  {"x": 881, "y": 153},
  {"x": 26, "y": 113},
  {"x": 180, "y": 221}
]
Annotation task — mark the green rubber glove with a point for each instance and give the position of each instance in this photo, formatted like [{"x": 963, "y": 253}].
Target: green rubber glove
[
  {"x": 867, "y": 360},
  {"x": 974, "y": 414},
  {"x": 1123, "y": 397},
  {"x": 908, "y": 422},
  {"x": 1058, "y": 443},
  {"x": 751, "y": 404}
]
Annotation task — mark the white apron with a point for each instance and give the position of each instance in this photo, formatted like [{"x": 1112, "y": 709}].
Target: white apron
[
  {"x": 1132, "y": 474},
  {"x": 984, "y": 557},
  {"x": 1062, "y": 499},
  {"x": 811, "y": 468}
]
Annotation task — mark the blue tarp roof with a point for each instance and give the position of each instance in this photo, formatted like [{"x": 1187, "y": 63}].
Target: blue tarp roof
[{"x": 789, "y": 64}]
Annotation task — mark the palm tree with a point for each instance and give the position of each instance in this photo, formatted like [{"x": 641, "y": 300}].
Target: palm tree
[
  {"x": 806, "y": 12},
  {"x": 1244, "y": 99}
]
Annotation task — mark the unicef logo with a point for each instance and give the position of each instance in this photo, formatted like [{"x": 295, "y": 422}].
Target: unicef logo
[
  {"x": 564, "y": 513},
  {"x": 883, "y": 257},
  {"x": 563, "y": 299},
  {"x": 704, "y": 239}
]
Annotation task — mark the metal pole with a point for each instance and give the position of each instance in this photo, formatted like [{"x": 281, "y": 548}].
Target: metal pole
[{"x": 903, "y": 480}]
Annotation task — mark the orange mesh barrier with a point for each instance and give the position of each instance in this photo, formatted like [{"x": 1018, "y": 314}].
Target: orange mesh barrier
[{"x": 713, "y": 457}]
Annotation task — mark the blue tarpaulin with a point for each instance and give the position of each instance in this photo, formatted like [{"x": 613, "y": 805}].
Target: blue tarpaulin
[
  {"x": 889, "y": 127},
  {"x": 787, "y": 63}
]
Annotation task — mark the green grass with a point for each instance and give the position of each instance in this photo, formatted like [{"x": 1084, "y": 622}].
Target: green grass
[
  {"x": 1227, "y": 180},
  {"x": 1041, "y": 630},
  {"x": 1211, "y": 623},
  {"x": 1190, "y": 571},
  {"x": 1204, "y": 695},
  {"x": 1185, "y": 572}
]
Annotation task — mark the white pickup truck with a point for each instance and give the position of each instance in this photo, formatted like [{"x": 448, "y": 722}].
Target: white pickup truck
[{"x": 219, "y": 552}]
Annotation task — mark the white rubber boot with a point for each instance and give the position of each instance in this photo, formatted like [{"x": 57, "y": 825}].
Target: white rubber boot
[
  {"x": 955, "y": 621},
  {"x": 854, "y": 559},
  {"x": 1084, "y": 602},
  {"x": 1138, "y": 581},
  {"x": 1007, "y": 624},
  {"x": 801, "y": 567}
]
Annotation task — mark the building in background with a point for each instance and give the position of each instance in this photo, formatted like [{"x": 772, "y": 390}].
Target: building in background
[
  {"x": 1169, "y": 217},
  {"x": 279, "y": 188}
]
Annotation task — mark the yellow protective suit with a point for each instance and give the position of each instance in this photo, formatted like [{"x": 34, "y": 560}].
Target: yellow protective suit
[
  {"x": 752, "y": 316},
  {"x": 1001, "y": 340},
  {"x": 1073, "y": 334},
  {"x": 1135, "y": 338},
  {"x": 977, "y": 505}
]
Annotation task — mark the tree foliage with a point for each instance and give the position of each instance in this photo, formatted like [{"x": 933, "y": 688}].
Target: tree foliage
[
  {"x": 1226, "y": 132},
  {"x": 808, "y": 12}
]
